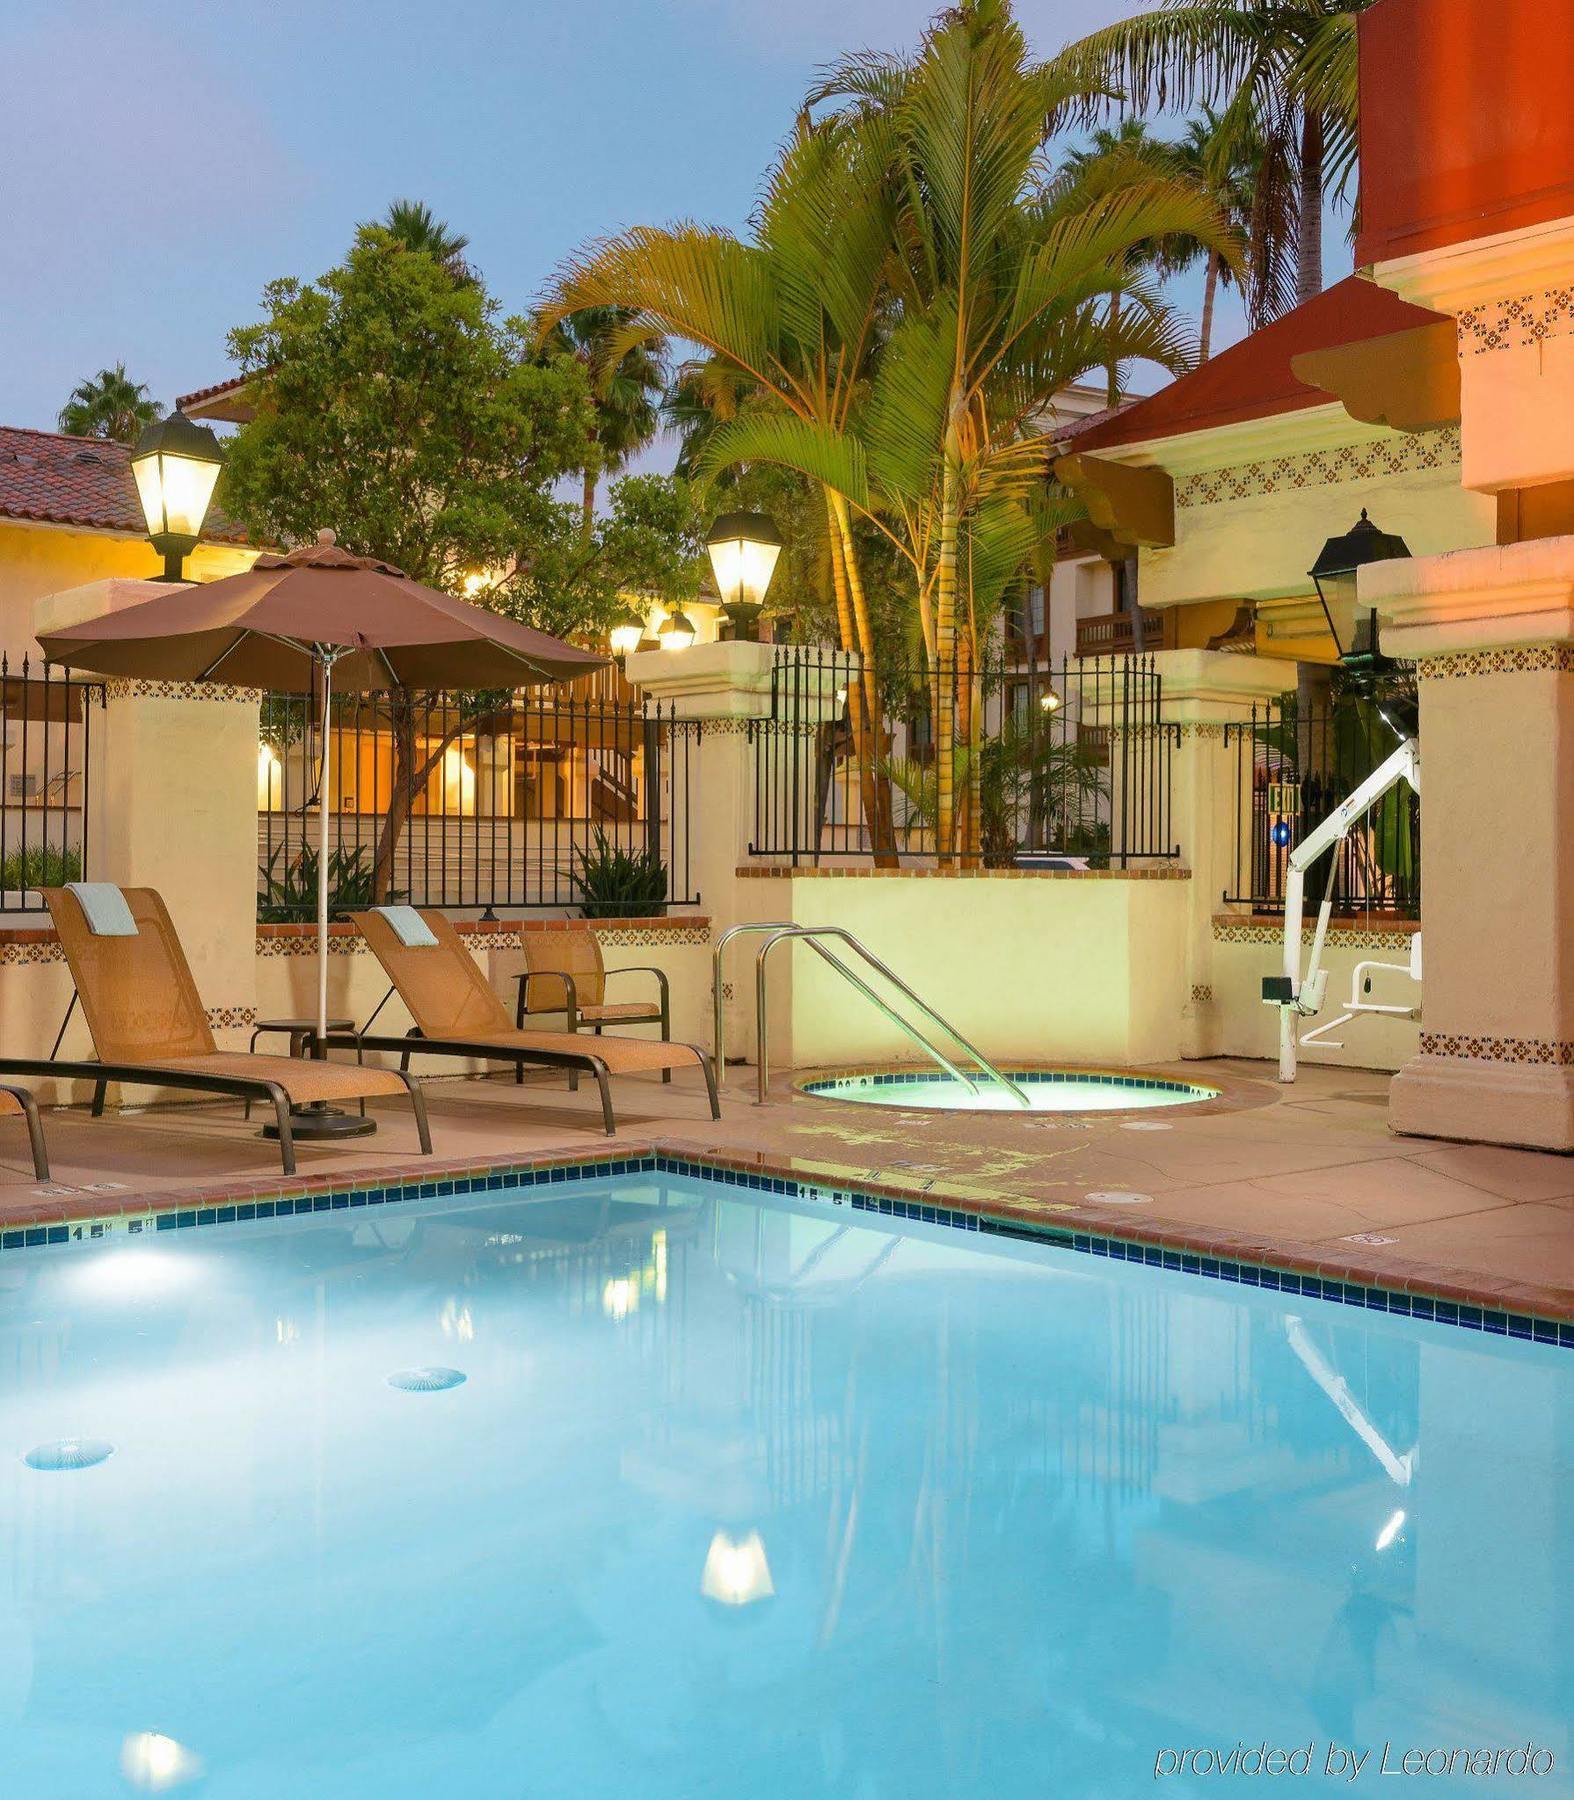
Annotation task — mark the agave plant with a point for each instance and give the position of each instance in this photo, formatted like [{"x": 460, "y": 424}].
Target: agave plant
[
  {"x": 615, "y": 883},
  {"x": 290, "y": 896}
]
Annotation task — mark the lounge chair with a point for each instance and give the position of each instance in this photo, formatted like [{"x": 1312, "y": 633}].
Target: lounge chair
[
  {"x": 457, "y": 1013},
  {"x": 149, "y": 1028},
  {"x": 564, "y": 974}
]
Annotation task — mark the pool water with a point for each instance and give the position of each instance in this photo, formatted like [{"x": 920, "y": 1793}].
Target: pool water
[
  {"x": 738, "y": 1497},
  {"x": 1049, "y": 1090}
]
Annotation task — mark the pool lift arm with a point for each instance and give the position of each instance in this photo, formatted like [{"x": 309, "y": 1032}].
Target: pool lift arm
[{"x": 1299, "y": 997}]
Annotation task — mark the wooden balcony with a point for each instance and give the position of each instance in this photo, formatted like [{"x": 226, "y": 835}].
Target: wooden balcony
[{"x": 1113, "y": 634}]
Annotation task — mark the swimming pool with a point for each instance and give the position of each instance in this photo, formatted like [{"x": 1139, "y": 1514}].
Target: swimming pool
[
  {"x": 1050, "y": 1090},
  {"x": 746, "y": 1495}
]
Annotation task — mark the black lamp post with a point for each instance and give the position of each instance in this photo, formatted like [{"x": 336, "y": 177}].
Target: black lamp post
[
  {"x": 1335, "y": 575},
  {"x": 743, "y": 550},
  {"x": 176, "y": 464}
]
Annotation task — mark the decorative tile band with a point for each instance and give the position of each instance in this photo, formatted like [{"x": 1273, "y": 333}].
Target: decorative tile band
[
  {"x": 919, "y": 1209},
  {"x": 1340, "y": 937},
  {"x": 1405, "y": 453},
  {"x": 1201, "y": 994},
  {"x": 1517, "y": 324},
  {"x": 119, "y": 688},
  {"x": 1524, "y": 659},
  {"x": 1547, "y": 1051},
  {"x": 231, "y": 1018},
  {"x": 764, "y": 870},
  {"x": 612, "y": 933},
  {"x": 338, "y": 945},
  {"x": 46, "y": 952}
]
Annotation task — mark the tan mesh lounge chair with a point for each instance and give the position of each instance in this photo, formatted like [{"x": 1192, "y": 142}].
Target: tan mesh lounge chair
[
  {"x": 457, "y": 1013},
  {"x": 149, "y": 1027},
  {"x": 564, "y": 974}
]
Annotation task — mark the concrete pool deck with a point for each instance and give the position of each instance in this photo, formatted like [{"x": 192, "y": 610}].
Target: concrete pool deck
[{"x": 1308, "y": 1178}]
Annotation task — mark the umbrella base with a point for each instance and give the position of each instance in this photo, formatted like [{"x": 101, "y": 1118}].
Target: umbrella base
[{"x": 320, "y": 1121}]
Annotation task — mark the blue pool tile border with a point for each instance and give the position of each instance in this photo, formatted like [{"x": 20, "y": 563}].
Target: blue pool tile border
[{"x": 1492, "y": 1321}]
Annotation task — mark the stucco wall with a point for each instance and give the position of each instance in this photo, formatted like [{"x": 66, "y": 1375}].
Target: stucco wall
[
  {"x": 1079, "y": 968},
  {"x": 1258, "y": 544}
]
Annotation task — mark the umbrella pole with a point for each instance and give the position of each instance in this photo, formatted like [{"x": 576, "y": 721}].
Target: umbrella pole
[
  {"x": 319, "y": 1120},
  {"x": 325, "y": 659}
]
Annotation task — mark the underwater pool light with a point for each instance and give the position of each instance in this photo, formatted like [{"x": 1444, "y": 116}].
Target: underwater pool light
[
  {"x": 736, "y": 1571},
  {"x": 150, "y": 1760}
]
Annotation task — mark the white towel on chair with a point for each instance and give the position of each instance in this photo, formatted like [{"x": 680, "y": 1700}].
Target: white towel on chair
[
  {"x": 104, "y": 907},
  {"x": 408, "y": 926}
]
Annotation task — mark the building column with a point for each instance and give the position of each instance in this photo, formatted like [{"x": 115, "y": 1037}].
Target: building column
[
  {"x": 173, "y": 784},
  {"x": 725, "y": 690},
  {"x": 1492, "y": 634},
  {"x": 1203, "y": 693}
]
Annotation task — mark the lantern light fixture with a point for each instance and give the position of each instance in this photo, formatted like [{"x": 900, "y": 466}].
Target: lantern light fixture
[
  {"x": 676, "y": 631},
  {"x": 176, "y": 464},
  {"x": 627, "y": 633},
  {"x": 1335, "y": 576},
  {"x": 743, "y": 550},
  {"x": 1049, "y": 701}
]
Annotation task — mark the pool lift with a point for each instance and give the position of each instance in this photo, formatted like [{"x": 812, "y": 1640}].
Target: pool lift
[{"x": 1299, "y": 996}]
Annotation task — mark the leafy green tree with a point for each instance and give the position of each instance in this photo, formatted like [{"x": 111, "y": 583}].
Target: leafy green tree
[
  {"x": 626, "y": 388},
  {"x": 399, "y": 407},
  {"x": 396, "y": 405},
  {"x": 109, "y": 405}
]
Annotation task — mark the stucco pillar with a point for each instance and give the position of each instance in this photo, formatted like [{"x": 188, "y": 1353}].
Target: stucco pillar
[
  {"x": 1202, "y": 694},
  {"x": 1492, "y": 635},
  {"x": 173, "y": 806},
  {"x": 726, "y": 689}
]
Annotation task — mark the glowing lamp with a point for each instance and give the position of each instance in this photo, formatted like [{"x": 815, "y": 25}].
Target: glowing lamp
[
  {"x": 736, "y": 1572},
  {"x": 627, "y": 633},
  {"x": 743, "y": 550},
  {"x": 1049, "y": 701},
  {"x": 175, "y": 466},
  {"x": 677, "y": 631}
]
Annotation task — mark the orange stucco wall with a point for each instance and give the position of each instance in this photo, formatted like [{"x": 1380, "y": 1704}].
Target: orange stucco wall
[{"x": 1466, "y": 123}]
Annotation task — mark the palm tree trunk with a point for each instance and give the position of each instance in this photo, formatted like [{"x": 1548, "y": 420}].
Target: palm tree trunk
[
  {"x": 945, "y": 654},
  {"x": 1210, "y": 291},
  {"x": 587, "y": 499},
  {"x": 1309, "y": 231},
  {"x": 871, "y": 784},
  {"x": 871, "y": 740}
]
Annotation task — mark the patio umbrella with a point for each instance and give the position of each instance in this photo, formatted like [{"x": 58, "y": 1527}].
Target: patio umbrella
[{"x": 300, "y": 622}]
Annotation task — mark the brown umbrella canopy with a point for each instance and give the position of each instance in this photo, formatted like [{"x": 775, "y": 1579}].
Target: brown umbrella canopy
[{"x": 259, "y": 629}]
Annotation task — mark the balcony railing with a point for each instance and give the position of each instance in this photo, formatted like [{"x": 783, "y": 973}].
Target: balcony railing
[{"x": 1115, "y": 634}]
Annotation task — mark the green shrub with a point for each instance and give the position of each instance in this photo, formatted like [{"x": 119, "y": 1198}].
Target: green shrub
[
  {"x": 620, "y": 884},
  {"x": 290, "y": 898},
  {"x": 41, "y": 866}
]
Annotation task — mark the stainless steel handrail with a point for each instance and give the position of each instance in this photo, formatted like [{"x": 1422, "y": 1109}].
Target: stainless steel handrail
[
  {"x": 810, "y": 934},
  {"x": 782, "y": 929}
]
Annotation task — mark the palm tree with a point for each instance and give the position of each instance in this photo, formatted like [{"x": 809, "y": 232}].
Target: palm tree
[
  {"x": 414, "y": 224},
  {"x": 1003, "y": 292},
  {"x": 791, "y": 318},
  {"x": 1281, "y": 70},
  {"x": 626, "y": 394},
  {"x": 109, "y": 405},
  {"x": 1227, "y": 164}
]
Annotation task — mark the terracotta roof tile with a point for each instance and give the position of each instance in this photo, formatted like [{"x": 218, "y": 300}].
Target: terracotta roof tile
[{"x": 85, "y": 482}]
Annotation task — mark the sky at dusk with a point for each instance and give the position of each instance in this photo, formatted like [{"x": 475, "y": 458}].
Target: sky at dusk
[{"x": 160, "y": 165}]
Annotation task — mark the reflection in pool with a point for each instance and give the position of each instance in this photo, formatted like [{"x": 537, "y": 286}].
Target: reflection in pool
[{"x": 738, "y": 1497}]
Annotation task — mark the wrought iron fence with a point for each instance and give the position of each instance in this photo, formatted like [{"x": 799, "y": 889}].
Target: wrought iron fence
[
  {"x": 577, "y": 795},
  {"x": 1294, "y": 764},
  {"x": 1066, "y": 760},
  {"x": 46, "y": 718}
]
